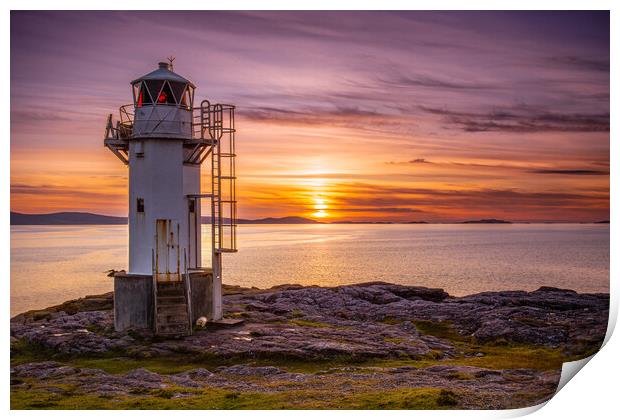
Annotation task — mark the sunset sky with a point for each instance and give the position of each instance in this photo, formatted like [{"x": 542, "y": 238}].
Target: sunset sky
[{"x": 400, "y": 116}]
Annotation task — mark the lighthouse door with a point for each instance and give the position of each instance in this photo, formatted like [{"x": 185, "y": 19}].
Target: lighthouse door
[{"x": 167, "y": 254}]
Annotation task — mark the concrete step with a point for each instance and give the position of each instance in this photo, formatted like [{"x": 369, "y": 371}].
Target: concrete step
[
  {"x": 172, "y": 318},
  {"x": 171, "y": 300},
  {"x": 168, "y": 290},
  {"x": 172, "y": 309},
  {"x": 161, "y": 293},
  {"x": 171, "y": 285},
  {"x": 166, "y": 319}
]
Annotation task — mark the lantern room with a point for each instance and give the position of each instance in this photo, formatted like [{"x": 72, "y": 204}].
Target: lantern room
[{"x": 163, "y": 103}]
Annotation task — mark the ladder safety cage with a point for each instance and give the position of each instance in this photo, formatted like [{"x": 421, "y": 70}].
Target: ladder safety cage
[{"x": 217, "y": 125}]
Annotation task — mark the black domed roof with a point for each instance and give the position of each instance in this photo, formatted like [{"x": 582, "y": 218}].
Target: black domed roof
[{"x": 163, "y": 73}]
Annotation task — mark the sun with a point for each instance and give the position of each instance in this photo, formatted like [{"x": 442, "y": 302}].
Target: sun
[{"x": 320, "y": 206}]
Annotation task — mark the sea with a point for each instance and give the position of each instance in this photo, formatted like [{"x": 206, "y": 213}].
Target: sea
[{"x": 52, "y": 264}]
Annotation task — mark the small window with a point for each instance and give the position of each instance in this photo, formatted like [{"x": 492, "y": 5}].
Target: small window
[
  {"x": 139, "y": 149},
  {"x": 140, "y": 205},
  {"x": 192, "y": 206}
]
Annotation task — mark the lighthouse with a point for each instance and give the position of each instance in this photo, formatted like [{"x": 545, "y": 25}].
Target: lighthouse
[{"x": 165, "y": 139}]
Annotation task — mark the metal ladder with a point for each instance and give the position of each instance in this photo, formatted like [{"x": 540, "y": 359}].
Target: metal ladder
[
  {"x": 220, "y": 127},
  {"x": 218, "y": 123}
]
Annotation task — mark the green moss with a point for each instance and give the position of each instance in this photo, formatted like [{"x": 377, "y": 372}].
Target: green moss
[
  {"x": 39, "y": 315},
  {"x": 122, "y": 365},
  {"x": 461, "y": 376},
  {"x": 306, "y": 323},
  {"x": 23, "y": 351},
  {"x": 391, "y": 321},
  {"x": 440, "y": 329},
  {"x": 447, "y": 398},
  {"x": 434, "y": 355},
  {"x": 401, "y": 399},
  {"x": 513, "y": 357},
  {"x": 238, "y": 315},
  {"x": 394, "y": 340},
  {"x": 211, "y": 398},
  {"x": 499, "y": 354},
  {"x": 494, "y": 357},
  {"x": 296, "y": 313}
]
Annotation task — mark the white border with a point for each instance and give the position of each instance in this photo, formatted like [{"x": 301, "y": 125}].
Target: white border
[{"x": 593, "y": 395}]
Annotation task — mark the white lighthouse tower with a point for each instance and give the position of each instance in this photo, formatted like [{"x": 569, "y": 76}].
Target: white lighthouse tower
[{"x": 164, "y": 140}]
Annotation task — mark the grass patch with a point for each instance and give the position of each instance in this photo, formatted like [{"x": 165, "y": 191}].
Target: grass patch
[
  {"x": 394, "y": 340},
  {"x": 238, "y": 315},
  {"x": 296, "y": 313},
  {"x": 440, "y": 329},
  {"x": 391, "y": 320},
  {"x": 498, "y": 355},
  {"x": 121, "y": 363},
  {"x": 461, "y": 376},
  {"x": 211, "y": 398},
  {"x": 306, "y": 323},
  {"x": 512, "y": 357}
]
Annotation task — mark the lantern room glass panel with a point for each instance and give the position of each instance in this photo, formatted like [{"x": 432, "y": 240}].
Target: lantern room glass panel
[
  {"x": 166, "y": 96},
  {"x": 154, "y": 87},
  {"x": 177, "y": 89},
  {"x": 144, "y": 97}
]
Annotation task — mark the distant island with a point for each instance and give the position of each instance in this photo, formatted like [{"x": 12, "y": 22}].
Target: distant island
[
  {"x": 82, "y": 218},
  {"x": 79, "y": 218},
  {"x": 487, "y": 221},
  {"x": 66, "y": 218},
  {"x": 293, "y": 220}
]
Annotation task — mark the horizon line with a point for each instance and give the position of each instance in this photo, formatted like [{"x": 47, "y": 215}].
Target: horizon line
[{"x": 482, "y": 220}]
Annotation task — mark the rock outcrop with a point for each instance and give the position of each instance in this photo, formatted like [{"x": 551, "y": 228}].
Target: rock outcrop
[{"x": 403, "y": 336}]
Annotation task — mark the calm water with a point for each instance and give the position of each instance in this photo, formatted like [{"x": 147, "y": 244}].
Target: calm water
[{"x": 51, "y": 264}]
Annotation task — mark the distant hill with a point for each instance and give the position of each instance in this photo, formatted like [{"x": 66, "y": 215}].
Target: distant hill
[
  {"x": 488, "y": 221},
  {"x": 66, "y": 218},
  {"x": 278, "y": 220},
  {"x": 78, "y": 218},
  {"x": 368, "y": 222},
  {"x": 290, "y": 220}
]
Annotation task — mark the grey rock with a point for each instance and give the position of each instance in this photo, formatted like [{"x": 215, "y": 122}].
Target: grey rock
[
  {"x": 246, "y": 370},
  {"x": 358, "y": 321}
]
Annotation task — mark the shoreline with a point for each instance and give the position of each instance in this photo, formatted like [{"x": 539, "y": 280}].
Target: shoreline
[
  {"x": 231, "y": 288},
  {"x": 371, "y": 345}
]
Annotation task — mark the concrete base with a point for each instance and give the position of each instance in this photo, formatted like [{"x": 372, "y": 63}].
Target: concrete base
[
  {"x": 225, "y": 323},
  {"x": 134, "y": 304},
  {"x": 201, "y": 288}
]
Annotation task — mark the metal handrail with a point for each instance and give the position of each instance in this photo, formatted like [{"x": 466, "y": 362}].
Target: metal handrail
[
  {"x": 188, "y": 293},
  {"x": 154, "y": 285},
  {"x": 126, "y": 114},
  {"x": 124, "y": 127},
  {"x": 211, "y": 121}
]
